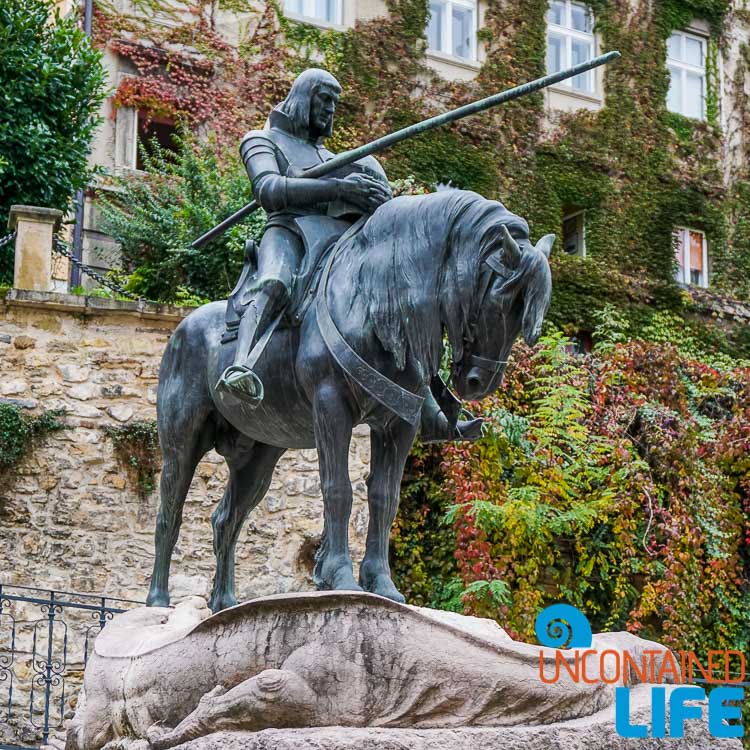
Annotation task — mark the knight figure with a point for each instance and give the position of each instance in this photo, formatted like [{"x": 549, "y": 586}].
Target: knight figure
[{"x": 276, "y": 158}]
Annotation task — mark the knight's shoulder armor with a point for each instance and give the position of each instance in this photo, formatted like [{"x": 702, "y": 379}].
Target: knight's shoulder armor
[
  {"x": 296, "y": 152},
  {"x": 256, "y": 143}
]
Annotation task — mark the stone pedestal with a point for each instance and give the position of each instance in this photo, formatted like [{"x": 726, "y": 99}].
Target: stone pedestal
[
  {"x": 351, "y": 671},
  {"x": 34, "y": 229},
  {"x": 590, "y": 733}
]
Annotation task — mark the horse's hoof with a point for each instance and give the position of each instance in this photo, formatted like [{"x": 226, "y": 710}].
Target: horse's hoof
[
  {"x": 336, "y": 575},
  {"x": 157, "y": 599},
  {"x": 222, "y": 602},
  {"x": 344, "y": 580},
  {"x": 470, "y": 429},
  {"x": 382, "y": 585}
]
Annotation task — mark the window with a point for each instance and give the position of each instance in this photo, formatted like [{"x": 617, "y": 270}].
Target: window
[
  {"x": 686, "y": 60},
  {"x": 326, "y": 11},
  {"x": 151, "y": 131},
  {"x": 581, "y": 343},
  {"x": 574, "y": 234},
  {"x": 452, "y": 28},
  {"x": 691, "y": 254},
  {"x": 570, "y": 41}
]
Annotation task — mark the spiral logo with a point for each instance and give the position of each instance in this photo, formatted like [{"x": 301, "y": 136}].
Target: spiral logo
[{"x": 563, "y": 626}]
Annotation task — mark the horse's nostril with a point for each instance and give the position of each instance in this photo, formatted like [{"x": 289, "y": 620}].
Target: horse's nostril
[{"x": 474, "y": 381}]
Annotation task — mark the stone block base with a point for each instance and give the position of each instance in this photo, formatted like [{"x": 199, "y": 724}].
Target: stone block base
[
  {"x": 596, "y": 732},
  {"x": 528, "y": 738}
]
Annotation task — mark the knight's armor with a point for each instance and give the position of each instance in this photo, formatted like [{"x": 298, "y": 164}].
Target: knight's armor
[{"x": 275, "y": 158}]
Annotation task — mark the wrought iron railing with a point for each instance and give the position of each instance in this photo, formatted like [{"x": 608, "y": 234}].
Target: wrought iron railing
[{"x": 45, "y": 640}]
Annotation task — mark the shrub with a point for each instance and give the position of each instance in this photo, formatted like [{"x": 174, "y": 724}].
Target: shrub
[
  {"x": 137, "y": 448},
  {"x": 51, "y": 85},
  {"x": 616, "y": 481},
  {"x": 155, "y": 218},
  {"x": 19, "y": 431}
]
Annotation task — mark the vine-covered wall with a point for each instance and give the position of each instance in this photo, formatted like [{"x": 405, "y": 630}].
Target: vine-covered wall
[
  {"x": 617, "y": 482},
  {"x": 636, "y": 169}
]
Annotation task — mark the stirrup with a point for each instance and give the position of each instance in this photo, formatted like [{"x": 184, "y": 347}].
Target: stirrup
[{"x": 242, "y": 383}]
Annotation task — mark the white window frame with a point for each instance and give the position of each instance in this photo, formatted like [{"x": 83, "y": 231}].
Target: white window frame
[
  {"x": 684, "y": 68},
  {"x": 126, "y": 139},
  {"x": 580, "y": 216},
  {"x": 446, "y": 41},
  {"x": 569, "y": 34},
  {"x": 682, "y": 273},
  {"x": 308, "y": 13}
]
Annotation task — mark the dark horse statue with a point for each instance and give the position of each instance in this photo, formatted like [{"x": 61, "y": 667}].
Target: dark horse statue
[{"x": 421, "y": 268}]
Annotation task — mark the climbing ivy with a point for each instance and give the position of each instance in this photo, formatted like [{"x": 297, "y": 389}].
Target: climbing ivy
[
  {"x": 137, "y": 448},
  {"x": 618, "y": 482},
  {"x": 19, "y": 432},
  {"x": 636, "y": 169}
]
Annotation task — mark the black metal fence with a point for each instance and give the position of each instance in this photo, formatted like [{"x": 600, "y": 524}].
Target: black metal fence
[{"x": 46, "y": 637}]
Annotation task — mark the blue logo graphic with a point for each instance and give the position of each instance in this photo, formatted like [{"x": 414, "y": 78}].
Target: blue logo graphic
[{"x": 563, "y": 626}]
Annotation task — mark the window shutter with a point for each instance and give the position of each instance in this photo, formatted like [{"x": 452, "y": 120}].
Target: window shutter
[{"x": 678, "y": 242}]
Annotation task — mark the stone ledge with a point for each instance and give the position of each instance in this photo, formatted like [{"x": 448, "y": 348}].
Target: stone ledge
[
  {"x": 718, "y": 304},
  {"x": 582, "y": 734},
  {"x": 82, "y": 305},
  {"x": 36, "y": 214}
]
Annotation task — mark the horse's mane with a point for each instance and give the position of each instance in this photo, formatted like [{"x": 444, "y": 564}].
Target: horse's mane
[{"x": 419, "y": 260}]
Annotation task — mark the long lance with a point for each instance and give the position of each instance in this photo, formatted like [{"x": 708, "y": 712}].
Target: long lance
[{"x": 380, "y": 144}]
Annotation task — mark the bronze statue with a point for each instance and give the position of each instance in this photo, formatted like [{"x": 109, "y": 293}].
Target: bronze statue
[
  {"x": 275, "y": 159},
  {"x": 346, "y": 305}
]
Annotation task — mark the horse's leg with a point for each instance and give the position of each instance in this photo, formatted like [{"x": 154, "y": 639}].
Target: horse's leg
[
  {"x": 390, "y": 448},
  {"x": 250, "y": 475},
  {"x": 333, "y": 424},
  {"x": 183, "y": 443}
]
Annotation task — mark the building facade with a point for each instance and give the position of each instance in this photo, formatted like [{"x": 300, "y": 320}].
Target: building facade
[{"x": 641, "y": 168}]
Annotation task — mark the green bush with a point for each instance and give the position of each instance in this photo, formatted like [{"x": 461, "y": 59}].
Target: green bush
[
  {"x": 51, "y": 86},
  {"x": 137, "y": 448},
  {"x": 156, "y": 216}
]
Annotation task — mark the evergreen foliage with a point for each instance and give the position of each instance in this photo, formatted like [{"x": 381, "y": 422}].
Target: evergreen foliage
[
  {"x": 19, "y": 431},
  {"x": 137, "y": 448},
  {"x": 156, "y": 216},
  {"x": 51, "y": 86}
]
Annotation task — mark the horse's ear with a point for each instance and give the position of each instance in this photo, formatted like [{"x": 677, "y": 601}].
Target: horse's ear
[
  {"x": 511, "y": 250},
  {"x": 544, "y": 245}
]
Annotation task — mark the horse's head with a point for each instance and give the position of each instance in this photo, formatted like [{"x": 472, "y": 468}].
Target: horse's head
[{"x": 513, "y": 297}]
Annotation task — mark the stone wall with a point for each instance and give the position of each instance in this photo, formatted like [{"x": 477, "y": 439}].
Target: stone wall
[{"x": 70, "y": 514}]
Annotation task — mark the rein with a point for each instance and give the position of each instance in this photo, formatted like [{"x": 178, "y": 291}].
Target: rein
[{"x": 398, "y": 400}]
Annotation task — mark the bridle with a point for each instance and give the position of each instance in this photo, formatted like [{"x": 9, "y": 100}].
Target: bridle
[{"x": 495, "y": 366}]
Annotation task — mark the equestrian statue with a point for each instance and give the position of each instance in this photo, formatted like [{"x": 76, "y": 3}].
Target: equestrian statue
[{"x": 339, "y": 319}]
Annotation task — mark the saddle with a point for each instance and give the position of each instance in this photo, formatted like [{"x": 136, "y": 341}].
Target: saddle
[{"x": 319, "y": 235}]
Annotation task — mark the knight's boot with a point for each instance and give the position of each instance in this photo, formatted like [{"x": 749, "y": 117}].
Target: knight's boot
[
  {"x": 239, "y": 378},
  {"x": 437, "y": 426}
]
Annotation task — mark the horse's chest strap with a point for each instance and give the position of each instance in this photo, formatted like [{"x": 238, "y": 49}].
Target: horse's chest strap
[{"x": 396, "y": 399}]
